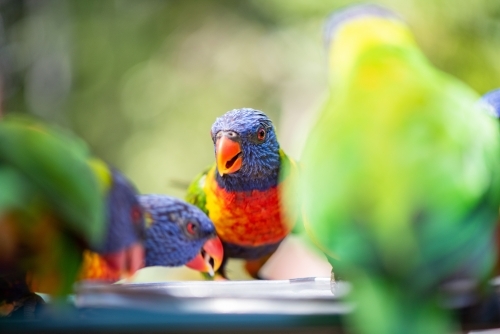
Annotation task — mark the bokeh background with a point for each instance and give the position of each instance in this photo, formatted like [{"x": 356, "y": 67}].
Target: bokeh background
[{"x": 142, "y": 81}]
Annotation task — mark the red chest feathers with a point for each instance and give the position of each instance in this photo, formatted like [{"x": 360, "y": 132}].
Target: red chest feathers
[{"x": 250, "y": 218}]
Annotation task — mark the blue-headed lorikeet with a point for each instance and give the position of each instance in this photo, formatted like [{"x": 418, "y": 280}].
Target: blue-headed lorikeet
[
  {"x": 50, "y": 209},
  {"x": 122, "y": 252},
  {"x": 41, "y": 152},
  {"x": 241, "y": 191},
  {"x": 177, "y": 233},
  {"x": 399, "y": 177},
  {"x": 123, "y": 246}
]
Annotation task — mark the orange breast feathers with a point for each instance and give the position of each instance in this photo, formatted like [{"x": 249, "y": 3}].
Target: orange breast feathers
[
  {"x": 247, "y": 218},
  {"x": 95, "y": 267}
]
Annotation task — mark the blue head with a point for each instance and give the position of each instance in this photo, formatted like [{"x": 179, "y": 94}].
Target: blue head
[
  {"x": 122, "y": 247},
  {"x": 246, "y": 150},
  {"x": 125, "y": 216},
  {"x": 491, "y": 102},
  {"x": 176, "y": 233},
  {"x": 342, "y": 16}
]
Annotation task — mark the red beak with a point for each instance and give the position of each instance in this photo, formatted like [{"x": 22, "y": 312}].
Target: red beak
[
  {"x": 127, "y": 261},
  {"x": 210, "y": 257},
  {"x": 228, "y": 155}
]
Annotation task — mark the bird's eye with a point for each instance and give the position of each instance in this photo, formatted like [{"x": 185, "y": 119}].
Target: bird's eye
[
  {"x": 261, "y": 134},
  {"x": 191, "y": 228},
  {"x": 136, "y": 214}
]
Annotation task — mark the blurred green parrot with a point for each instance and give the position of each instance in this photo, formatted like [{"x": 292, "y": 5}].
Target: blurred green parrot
[
  {"x": 51, "y": 208},
  {"x": 58, "y": 201},
  {"x": 399, "y": 182}
]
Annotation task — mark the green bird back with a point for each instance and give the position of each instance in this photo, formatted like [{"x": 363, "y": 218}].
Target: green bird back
[
  {"x": 51, "y": 204},
  {"x": 399, "y": 183},
  {"x": 57, "y": 165},
  {"x": 195, "y": 193}
]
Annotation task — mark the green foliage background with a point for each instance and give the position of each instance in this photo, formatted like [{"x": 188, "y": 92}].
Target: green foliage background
[{"x": 142, "y": 81}]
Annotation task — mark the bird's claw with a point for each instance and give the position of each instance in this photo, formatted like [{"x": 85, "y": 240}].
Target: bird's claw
[{"x": 333, "y": 283}]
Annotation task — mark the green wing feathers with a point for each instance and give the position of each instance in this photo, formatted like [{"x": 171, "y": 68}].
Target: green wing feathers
[
  {"x": 196, "y": 193},
  {"x": 399, "y": 159},
  {"x": 55, "y": 165}
]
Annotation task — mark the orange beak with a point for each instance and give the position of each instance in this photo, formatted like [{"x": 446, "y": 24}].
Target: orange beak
[
  {"x": 126, "y": 261},
  {"x": 210, "y": 257},
  {"x": 228, "y": 155}
]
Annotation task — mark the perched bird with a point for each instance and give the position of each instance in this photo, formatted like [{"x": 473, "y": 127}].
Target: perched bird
[
  {"x": 121, "y": 253},
  {"x": 177, "y": 234},
  {"x": 399, "y": 182},
  {"x": 123, "y": 246},
  {"x": 50, "y": 210},
  {"x": 241, "y": 191},
  {"x": 55, "y": 190}
]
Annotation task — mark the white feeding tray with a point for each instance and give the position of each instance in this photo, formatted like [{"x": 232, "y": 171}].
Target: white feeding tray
[{"x": 296, "y": 296}]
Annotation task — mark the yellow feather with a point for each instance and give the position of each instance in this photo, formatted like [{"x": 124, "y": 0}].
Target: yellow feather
[
  {"x": 148, "y": 219},
  {"x": 102, "y": 172},
  {"x": 358, "y": 35}
]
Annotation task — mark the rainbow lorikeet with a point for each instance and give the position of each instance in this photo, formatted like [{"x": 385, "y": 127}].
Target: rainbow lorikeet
[
  {"x": 123, "y": 246},
  {"x": 241, "y": 191},
  {"x": 399, "y": 181},
  {"x": 39, "y": 200},
  {"x": 50, "y": 210},
  {"x": 124, "y": 222},
  {"x": 122, "y": 251},
  {"x": 177, "y": 233}
]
